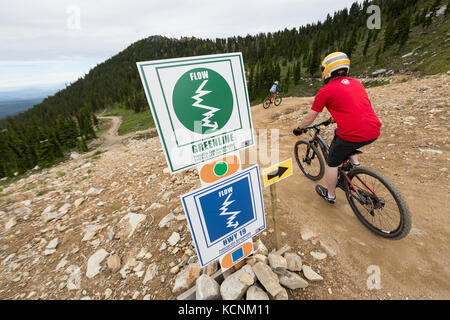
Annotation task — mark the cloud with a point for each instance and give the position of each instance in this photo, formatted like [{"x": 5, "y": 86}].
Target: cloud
[{"x": 84, "y": 31}]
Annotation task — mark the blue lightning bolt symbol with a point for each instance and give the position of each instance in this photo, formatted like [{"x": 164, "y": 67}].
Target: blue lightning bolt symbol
[
  {"x": 207, "y": 115},
  {"x": 224, "y": 208}
]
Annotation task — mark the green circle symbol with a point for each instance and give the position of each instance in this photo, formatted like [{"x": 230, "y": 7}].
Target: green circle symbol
[
  {"x": 220, "y": 168},
  {"x": 202, "y": 100}
]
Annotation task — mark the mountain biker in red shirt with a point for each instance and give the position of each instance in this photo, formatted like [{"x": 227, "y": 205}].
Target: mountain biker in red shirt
[{"x": 357, "y": 124}]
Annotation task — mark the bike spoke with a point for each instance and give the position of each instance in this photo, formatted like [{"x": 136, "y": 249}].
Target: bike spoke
[
  {"x": 305, "y": 156},
  {"x": 387, "y": 216}
]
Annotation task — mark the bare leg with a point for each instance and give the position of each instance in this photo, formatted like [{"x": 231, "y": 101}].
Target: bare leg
[
  {"x": 331, "y": 180},
  {"x": 354, "y": 159}
]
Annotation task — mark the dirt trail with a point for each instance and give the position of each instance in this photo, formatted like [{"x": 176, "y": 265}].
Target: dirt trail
[
  {"x": 417, "y": 266},
  {"x": 111, "y": 136}
]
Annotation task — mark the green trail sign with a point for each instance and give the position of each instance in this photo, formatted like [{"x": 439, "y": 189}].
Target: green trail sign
[
  {"x": 202, "y": 96},
  {"x": 200, "y": 106}
]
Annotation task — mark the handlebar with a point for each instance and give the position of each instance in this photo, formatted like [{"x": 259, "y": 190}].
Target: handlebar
[{"x": 325, "y": 123}]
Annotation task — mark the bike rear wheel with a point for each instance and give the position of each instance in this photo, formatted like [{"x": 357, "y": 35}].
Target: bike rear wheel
[
  {"x": 266, "y": 102},
  {"x": 309, "y": 160},
  {"x": 382, "y": 208},
  {"x": 277, "y": 100}
]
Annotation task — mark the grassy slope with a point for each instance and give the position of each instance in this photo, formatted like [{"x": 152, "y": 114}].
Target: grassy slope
[
  {"x": 132, "y": 121},
  {"x": 431, "y": 56},
  {"x": 431, "y": 51}
]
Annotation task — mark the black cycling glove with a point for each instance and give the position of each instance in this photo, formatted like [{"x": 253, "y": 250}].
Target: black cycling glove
[{"x": 297, "y": 131}]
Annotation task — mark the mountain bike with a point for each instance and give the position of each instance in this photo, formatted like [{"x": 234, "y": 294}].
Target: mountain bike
[
  {"x": 276, "y": 100},
  {"x": 374, "y": 199}
]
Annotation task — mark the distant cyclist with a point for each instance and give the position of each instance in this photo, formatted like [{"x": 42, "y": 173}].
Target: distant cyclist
[
  {"x": 274, "y": 90},
  {"x": 357, "y": 124}
]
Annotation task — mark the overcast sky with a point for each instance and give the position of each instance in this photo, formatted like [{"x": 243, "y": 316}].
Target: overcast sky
[{"x": 48, "y": 43}]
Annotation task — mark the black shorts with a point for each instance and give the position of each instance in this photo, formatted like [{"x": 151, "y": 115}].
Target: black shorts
[{"x": 341, "y": 149}]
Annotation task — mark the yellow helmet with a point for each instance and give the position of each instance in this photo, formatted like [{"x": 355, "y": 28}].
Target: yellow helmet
[{"x": 333, "y": 62}]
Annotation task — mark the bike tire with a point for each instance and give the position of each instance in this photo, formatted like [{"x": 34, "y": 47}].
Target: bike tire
[
  {"x": 404, "y": 226},
  {"x": 277, "y": 100},
  {"x": 315, "y": 155},
  {"x": 266, "y": 102}
]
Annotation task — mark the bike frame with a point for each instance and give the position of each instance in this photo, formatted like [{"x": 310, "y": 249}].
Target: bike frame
[
  {"x": 319, "y": 140},
  {"x": 272, "y": 96},
  {"x": 348, "y": 177}
]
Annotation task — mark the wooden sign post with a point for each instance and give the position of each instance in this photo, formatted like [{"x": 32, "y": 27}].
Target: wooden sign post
[
  {"x": 273, "y": 195},
  {"x": 272, "y": 175}
]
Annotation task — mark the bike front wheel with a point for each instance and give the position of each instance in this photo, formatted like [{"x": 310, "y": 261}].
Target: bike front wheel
[
  {"x": 277, "y": 100},
  {"x": 378, "y": 203},
  {"x": 309, "y": 160}
]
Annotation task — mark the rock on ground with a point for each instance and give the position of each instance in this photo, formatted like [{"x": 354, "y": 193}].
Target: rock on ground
[
  {"x": 267, "y": 278},
  {"x": 187, "y": 277},
  {"x": 113, "y": 263},
  {"x": 318, "y": 255},
  {"x": 292, "y": 280},
  {"x": 134, "y": 219},
  {"x": 206, "y": 288},
  {"x": 93, "y": 264},
  {"x": 74, "y": 279},
  {"x": 255, "y": 292},
  {"x": 232, "y": 288},
  {"x": 151, "y": 273},
  {"x": 165, "y": 221},
  {"x": 277, "y": 262},
  {"x": 310, "y": 274},
  {"x": 293, "y": 261},
  {"x": 11, "y": 223},
  {"x": 174, "y": 238},
  {"x": 260, "y": 248}
]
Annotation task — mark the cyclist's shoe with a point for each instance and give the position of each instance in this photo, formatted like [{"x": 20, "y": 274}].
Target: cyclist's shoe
[{"x": 323, "y": 192}]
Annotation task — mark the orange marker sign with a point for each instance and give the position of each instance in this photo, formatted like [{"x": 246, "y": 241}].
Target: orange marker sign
[
  {"x": 236, "y": 255},
  {"x": 219, "y": 168}
]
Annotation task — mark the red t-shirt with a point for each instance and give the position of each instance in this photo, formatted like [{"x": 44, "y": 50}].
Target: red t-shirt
[{"x": 347, "y": 101}]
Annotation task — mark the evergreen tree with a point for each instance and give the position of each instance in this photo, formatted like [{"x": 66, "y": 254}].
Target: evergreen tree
[
  {"x": 423, "y": 17},
  {"x": 95, "y": 120},
  {"x": 314, "y": 59},
  {"x": 389, "y": 36},
  {"x": 277, "y": 72},
  {"x": 287, "y": 80},
  {"x": 376, "y": 33},
  {"x": 351, "y": 44},
  {"x": 251, "y": 83},
  {"x": 82, "y": 146},
  {"x": 403, "y": 27},
  {"x": 435, "y": 6},
  {"x": 296, "y": 72},
  {"x": 429, "y": 20},
  {"x": 366, "y": 46},
  {"x": 377, "y": 56}
]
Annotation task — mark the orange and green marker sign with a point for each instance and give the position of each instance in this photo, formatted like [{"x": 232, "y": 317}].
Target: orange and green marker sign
[{"x": 219, "y": 168}]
